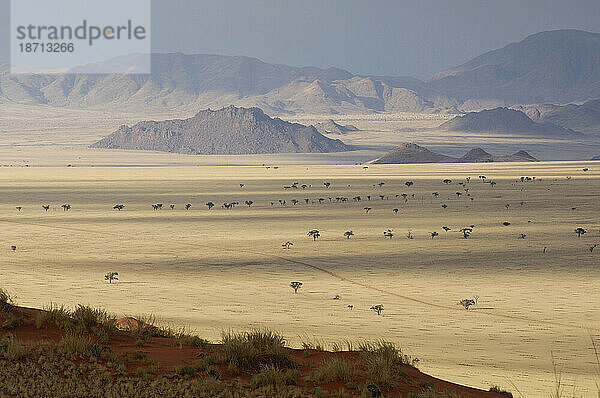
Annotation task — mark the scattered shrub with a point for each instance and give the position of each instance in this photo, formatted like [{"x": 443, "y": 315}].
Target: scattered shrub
[
  {"x": 271, "y": 375},
  {"x": 335, "y": 370},
  {"x": 251, "y": 351},
  {"x": 498, "y": 390}
]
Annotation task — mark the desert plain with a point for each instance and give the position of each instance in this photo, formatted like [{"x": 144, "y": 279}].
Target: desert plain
[{"x": 219, "y": 269}]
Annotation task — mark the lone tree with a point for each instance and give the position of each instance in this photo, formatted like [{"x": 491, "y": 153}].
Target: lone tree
[
  {"x": 111, "y": 276},
  {"x": 377, "y": 308},
  {"x": 580, "y": 231},
  {"x": 388, "y": 234},
  {"x": 210, "y": 205},
  {"x": 467, "y": 303},
  {"x": 19, "y": 208},
  {"x": 366, "y": 209},
  {"x": 327, "y": 184},
  {"x": 466, "y": 232},
  {"x": 434, "y": 234},
  {"x": 66, "y": 207},
  {"x": 296, "y": 286},
  {"x": 172, "y": 206},
  {"x": 435, "y": 194},
  {"x": 46, "y": 207},
  {"x": 119, "y": 207},
  {"x": 314, "y": 234},
  {"x": 249, "y": 203},
  {"x": 395, "y": 211},
  {"x": 287, "y": 245},
  {"x": 447, "y": 181},
  {"x": 187, "y": 206},
  {"x": 445, "y": 228},
  {"x": 409, "y": 183},
  {"x": 348, "y": 234}
]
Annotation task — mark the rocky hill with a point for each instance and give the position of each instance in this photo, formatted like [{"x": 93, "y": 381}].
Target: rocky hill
[
  {"x": 505, "y": 121},
  {"x": 476, "y": 155},
  {"x": 520, "y": 156},
  {"x": 331, "y": 127},
  {"x": 413, "y": 153},
  {"x": 229, "y": 130}
]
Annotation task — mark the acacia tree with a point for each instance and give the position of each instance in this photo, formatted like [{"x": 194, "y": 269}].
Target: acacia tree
[
  {"x": 388, "y": 234},
  {"x": 377, "y": 308},
  {"x": 314, "y": 234},
  {"x": 467, "y": 303},
  {"x": 296, "y": 285},
  {"x": 580, "y": 231},
  {"x": 287, "y": 245},
  {"x": 111, "y": 276},
  {"x": 249, "y": 203},
  {"x": 466, "y": 232},
  {"x": 434, "y": 234},
  {"x": 348, "y": 234},
  {"x": 119, "y": 207},
  {"x": 46, "y": 207},
  {"x": 210, "y": 205}
]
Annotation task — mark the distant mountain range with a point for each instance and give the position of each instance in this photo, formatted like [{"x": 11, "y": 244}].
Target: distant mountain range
[
  {"x": 228, "y": 131},
  {"x": 413, "y": 153},
  {"x": 559, "y": 67},
  {"x": 505, "y": 121},
  {"x": 181, "y": 81}
]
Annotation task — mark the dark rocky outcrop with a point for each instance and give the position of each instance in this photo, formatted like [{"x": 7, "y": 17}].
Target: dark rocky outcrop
[{"x": 229, "y": 130}]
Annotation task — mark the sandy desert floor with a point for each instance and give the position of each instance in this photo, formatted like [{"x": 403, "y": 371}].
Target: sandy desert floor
[{"x": 218, "y": 269}]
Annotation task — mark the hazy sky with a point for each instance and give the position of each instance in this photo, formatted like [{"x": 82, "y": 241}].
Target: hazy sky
[{"x": 383, "y": 37}]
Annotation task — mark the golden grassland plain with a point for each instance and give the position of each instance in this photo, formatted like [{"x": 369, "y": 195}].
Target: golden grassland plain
[{"x": 218, "y": 269}]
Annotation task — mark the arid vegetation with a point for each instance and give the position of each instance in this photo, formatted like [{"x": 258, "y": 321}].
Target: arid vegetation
[{"x": 57, "y": 352}]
